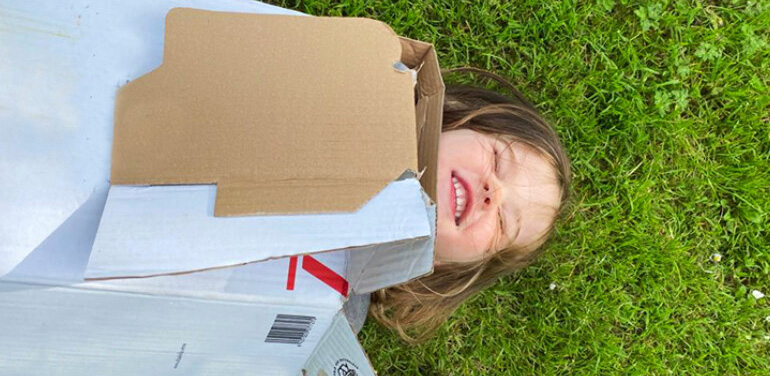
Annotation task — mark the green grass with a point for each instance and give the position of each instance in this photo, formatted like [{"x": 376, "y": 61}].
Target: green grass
[{"x": 664, "y": 107}]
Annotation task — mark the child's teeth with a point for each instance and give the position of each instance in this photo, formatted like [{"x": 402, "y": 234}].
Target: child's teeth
[
  {"x": 460, "y": 200},
  {"x": 458, "y": 188}
]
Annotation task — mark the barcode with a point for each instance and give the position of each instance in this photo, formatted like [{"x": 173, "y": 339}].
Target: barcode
[{"x": 292, "y": 329}]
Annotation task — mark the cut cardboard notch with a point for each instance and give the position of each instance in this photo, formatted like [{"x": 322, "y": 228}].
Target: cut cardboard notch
[{"x": 286, "y": 114}]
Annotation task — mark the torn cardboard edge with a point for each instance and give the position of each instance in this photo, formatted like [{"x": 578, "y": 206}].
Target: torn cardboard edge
[{"x": 254, "y": 115}]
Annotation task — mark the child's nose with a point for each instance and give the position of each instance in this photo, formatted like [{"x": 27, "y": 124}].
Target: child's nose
[
  {"x": 491, "y": 193},
  {"x": 488, "y": 194}
]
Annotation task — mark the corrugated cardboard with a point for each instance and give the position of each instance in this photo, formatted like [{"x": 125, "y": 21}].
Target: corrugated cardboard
[
  {"x": 429, "y": 107},
  {"x": 217, "y": 322},
  {"x": 59, "y": 90},
  {"x": 158, "y": 230},
  {"x": 281, "y": 143},
  {"x": 285, "y": 114}
]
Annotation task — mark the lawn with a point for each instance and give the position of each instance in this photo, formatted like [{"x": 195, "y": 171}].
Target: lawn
[{"x": 664, "y": 107}]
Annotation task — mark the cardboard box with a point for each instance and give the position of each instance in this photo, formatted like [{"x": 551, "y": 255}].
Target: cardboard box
[
  {"x": 240, "y": 320},
  {"x": 229, "y": 291}
]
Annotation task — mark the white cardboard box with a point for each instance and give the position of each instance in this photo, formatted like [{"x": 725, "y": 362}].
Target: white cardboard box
[{"x": 197, "y": 315}]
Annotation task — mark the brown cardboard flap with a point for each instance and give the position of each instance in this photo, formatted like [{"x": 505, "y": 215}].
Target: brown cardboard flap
[
  {"x": 286, "y": 114},
  {"x": 428, "y": 109}
]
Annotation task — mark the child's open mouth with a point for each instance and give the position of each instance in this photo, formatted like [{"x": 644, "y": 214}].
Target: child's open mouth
[{"x": 461, "y": 197}]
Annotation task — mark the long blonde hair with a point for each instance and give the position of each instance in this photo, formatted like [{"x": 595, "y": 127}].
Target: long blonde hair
[{"x": 418, "y": 308}]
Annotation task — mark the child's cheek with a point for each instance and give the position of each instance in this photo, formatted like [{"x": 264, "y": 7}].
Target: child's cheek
[{"x": 482, "y": 236}]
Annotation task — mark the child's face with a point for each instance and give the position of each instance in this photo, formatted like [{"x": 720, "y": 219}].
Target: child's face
[{"x": 505, "y": 194}]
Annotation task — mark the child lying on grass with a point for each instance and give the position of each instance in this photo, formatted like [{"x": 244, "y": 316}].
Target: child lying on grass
[{"x": 503, "y": 179}]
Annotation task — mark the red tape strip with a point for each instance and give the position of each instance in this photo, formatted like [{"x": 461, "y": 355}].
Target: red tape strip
[
  {"x": 292, "y": 273},
  {"x": 326, "y": 275}
]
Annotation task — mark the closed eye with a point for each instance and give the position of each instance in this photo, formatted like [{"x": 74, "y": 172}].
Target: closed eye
[
  {"x": 496, "y": 160},
  {"x": 502, "y": 223}
]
